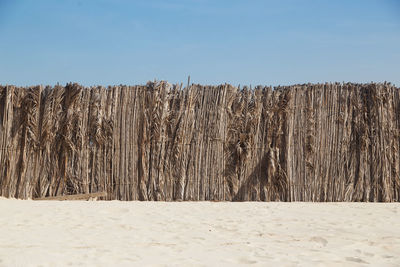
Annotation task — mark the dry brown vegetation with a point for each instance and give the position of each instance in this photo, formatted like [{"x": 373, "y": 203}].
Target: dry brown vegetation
[{"x": 312, "y": 142}]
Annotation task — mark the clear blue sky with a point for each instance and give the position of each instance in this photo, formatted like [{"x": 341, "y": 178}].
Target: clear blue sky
[{"x": 239, "y": 42}]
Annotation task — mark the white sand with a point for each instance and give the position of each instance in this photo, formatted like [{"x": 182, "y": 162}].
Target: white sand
[{"x": 52, "y": 233}]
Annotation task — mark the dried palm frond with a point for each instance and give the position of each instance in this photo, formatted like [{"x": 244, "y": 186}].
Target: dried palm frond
[{"x": 307, "y": 142}]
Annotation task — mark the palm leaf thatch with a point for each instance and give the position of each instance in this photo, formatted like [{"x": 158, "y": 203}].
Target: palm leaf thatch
[{"x": 308, "y": 142}]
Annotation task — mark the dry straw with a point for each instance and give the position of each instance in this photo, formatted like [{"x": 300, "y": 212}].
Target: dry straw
[{"x": 311, "y": 142}]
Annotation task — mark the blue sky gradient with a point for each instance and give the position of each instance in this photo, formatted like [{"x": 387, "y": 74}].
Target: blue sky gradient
[{"x": 239, "y": 42}]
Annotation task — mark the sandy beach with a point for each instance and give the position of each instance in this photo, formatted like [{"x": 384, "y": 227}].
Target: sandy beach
[{"x": 115, "y": 233}]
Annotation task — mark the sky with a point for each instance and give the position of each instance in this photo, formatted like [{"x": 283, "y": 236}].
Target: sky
[{"x": 246, "y": 42}]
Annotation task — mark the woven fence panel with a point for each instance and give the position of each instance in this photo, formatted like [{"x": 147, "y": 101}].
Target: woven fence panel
[{"x": 311, "y": 142}]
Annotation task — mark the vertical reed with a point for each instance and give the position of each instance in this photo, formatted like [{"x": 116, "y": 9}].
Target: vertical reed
[{"x": 310, "y": 142}]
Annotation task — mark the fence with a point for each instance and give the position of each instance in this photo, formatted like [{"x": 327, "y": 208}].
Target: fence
[{"x": 312, "y": 142}]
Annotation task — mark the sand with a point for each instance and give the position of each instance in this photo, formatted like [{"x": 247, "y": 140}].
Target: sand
[{"x": 114, "y": 233}]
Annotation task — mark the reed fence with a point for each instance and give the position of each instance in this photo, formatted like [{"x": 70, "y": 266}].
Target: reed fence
[{"x": 311, "y": 142}]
